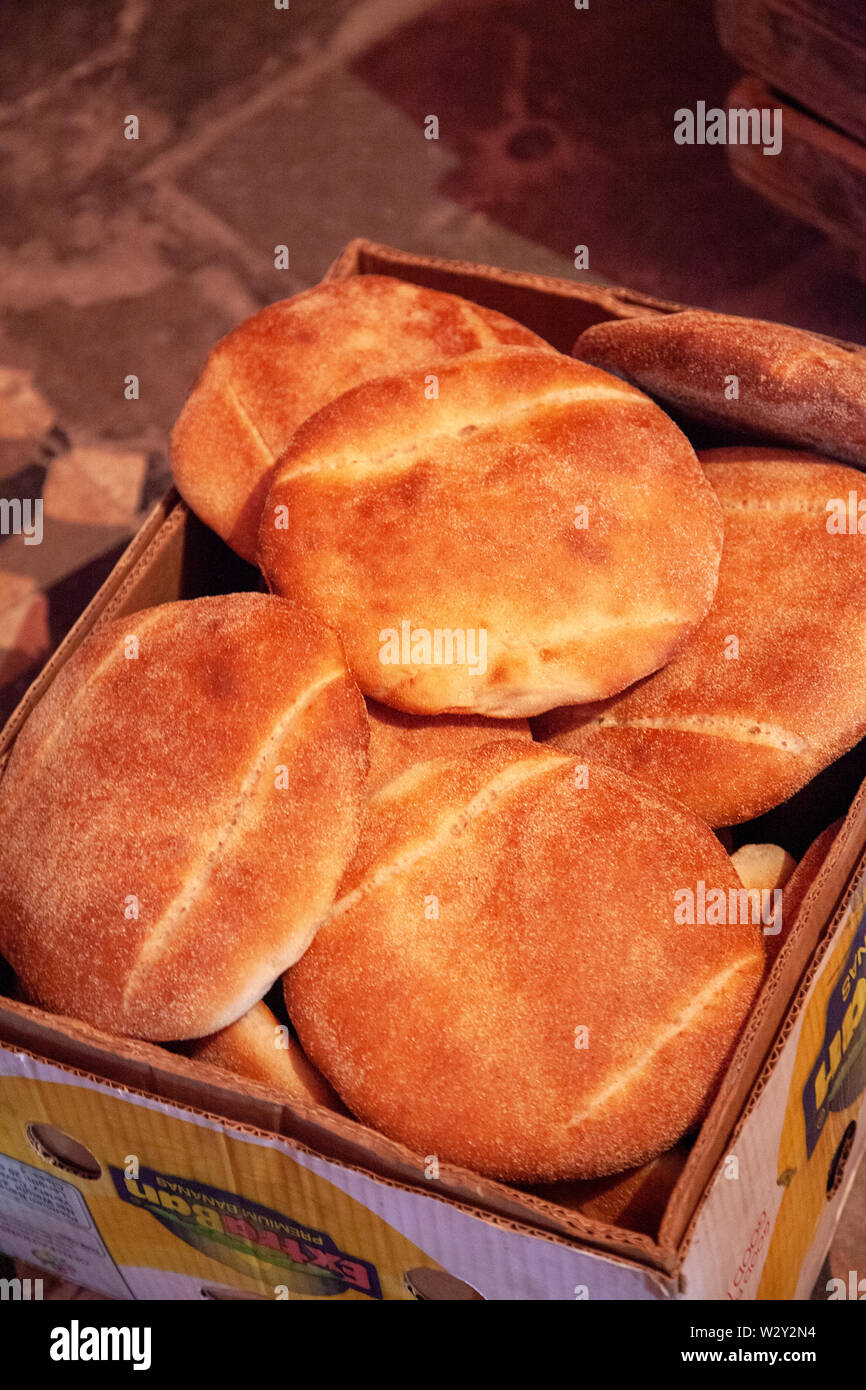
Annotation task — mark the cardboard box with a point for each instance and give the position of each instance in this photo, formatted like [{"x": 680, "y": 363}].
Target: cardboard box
[{"x": 138, "y": 1173}]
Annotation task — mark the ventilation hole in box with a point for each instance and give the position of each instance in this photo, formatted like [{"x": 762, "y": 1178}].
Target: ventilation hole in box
[
  {"x": 434, "y": 1285},
  {"x": 839, "y": 1161},
  {"x": 62, "y": 1151}
]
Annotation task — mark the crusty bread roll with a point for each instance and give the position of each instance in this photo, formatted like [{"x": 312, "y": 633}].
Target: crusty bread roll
[
  {"x": 284, "y": 363},
  {"x": 734, "y": 735},
  {"x": 763, "y": 866},
  {"x": 766, "y": 869},
  {"x": 503, "y": 981},
  {"x": 399, "y": 740},
  {"x": 791, "y": 385},
  {"x": 397, "y": 517},
  {"x": 177, "y": 812},
  {"x": 258, "y": 1046}
]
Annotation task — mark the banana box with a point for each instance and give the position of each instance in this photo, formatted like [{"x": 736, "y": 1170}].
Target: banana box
[{"x": 139, "y": 1173}]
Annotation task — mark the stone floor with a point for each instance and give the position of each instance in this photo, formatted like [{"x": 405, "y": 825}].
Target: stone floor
[{"x": 259, "y": 126}]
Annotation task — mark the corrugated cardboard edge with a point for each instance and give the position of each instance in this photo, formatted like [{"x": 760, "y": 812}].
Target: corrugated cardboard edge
[
  {"x": 164, "y": 529},
  {"x": 364, "y": 257}
]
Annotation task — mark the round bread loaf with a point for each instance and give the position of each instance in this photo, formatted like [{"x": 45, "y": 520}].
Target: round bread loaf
[
  {"x": 262, "y": 380},
  {"x": 503, "y": 980},
  {"x": 399, "y": 740},
  {"x": 258, "y": 1046},
  {"x": 790, "y": 385},
  {"x": 534, "y": 532},
  {"x": 177, "y": 812},
  {"x": 772, "y": 686}
]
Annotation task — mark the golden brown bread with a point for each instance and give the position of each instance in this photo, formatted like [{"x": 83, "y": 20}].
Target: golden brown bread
[
  {"x": 262, "y": 380},
  {"x": 792, "y": 386},
  {"x": 495, "y": 908},
  {"x": 258, "y": 1046},
  {"x": 767, "y": 869},
  {"x": 173, "y": 826},
  {"x": 763, "y": 866},
  {"x": 734, "y": 736},
  {"x": 399, "y": 740},
  {"x": 397, "y": 518}
]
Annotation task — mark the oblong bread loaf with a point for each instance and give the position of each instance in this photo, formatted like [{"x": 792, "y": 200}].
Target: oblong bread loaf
[
  {"x": 259, "y": 1046},
  {"x": 534, "y": 528},
  {"x": 399, "y": 740},
  {"x": 772, "y": 686},
  {"x": 503, "y": 981},
  {"x": 262, "y": 380},
  {"x": 744, "y": 374},
  {"x": 177, "y": 812}
]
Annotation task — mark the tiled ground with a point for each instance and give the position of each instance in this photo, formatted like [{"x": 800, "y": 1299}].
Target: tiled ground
[{"x": 305, "y": 127}]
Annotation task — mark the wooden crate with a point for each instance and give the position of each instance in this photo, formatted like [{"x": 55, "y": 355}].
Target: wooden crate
[
  {"x": 814, "y": 51},
  {"x": 809, "y": 58},
  {"x": 818, "y": 176}
]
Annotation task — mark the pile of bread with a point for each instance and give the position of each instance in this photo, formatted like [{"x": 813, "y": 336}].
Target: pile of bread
[{"x": 523, "y": 654}]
